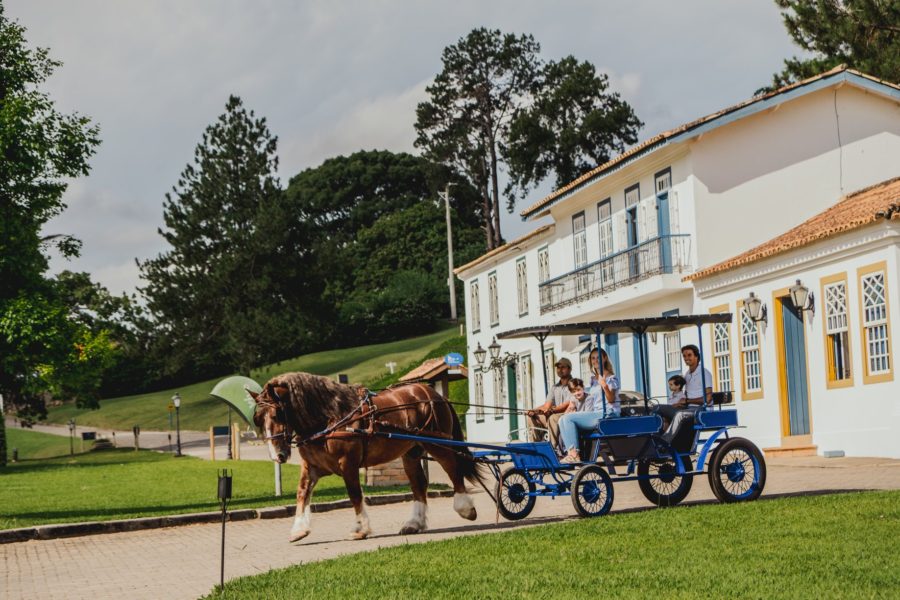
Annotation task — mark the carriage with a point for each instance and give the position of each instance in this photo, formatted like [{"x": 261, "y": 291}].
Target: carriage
[{"x": 630, "y": 447}]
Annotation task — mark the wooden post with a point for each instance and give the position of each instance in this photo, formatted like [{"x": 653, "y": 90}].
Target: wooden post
[
  {"x": 236, "y": 441},
  {"x": 212, "y": 445}
]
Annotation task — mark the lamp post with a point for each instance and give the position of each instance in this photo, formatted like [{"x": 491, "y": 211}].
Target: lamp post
[
  {"x": 71, "y": 436},
  {"x": 480, "y": 353},
  {"x": 450, "y": 282},
  {"x": 755, "y": 309},
  {"x": 176, "y": 400}
]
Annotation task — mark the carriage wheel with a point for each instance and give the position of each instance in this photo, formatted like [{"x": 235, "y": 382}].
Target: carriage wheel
[
  {"x": 592, "y": 491},
  {"x": 660, "y": 482},
  {"x": 515, "y": 494},
  {"x": 737, "y": 471}
]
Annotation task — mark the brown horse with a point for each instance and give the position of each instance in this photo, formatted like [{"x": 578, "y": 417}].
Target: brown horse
[{"x": 300, "y": 407}]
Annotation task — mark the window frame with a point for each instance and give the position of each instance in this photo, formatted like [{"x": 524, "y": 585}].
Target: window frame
[
  {"x": 717, "y": 381},
  {"x": 543, "y": 258},
  {"x": 756, "y": 394},
  {"x": 861, "y": 273},
  {"x": 475, "y": 304},
  {"x": 825, "y": 282},
  {"x": 493, "y": 299},
  {"x": 522, "y": 286},
  {"x": 499, "y": 393},
  {"x": 479, "y": 397}
]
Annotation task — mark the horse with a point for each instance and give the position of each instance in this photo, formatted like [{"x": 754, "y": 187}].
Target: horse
[{"x": 334, "y": 426}]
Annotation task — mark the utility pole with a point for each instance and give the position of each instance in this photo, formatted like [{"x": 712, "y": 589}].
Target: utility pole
[{"x": 450, "y": 282}]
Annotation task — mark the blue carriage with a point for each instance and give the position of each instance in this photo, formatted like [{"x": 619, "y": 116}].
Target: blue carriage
[{"x": 631, "y": 447}]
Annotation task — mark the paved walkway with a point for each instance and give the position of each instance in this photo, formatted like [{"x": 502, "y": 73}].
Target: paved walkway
[{"x": 184, "y": 562}]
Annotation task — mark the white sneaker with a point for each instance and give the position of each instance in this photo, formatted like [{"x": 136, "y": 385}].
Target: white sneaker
[{"x": 570, "y": 460}]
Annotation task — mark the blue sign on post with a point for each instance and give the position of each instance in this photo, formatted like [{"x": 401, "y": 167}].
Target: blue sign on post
[{"x": 454, "y": 359}]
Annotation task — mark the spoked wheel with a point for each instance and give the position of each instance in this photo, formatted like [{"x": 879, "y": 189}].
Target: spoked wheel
[
  {"x": 660, "y": 482},
  {"x": 592, "y": 491},
  {"x": 737, "y": 471},
  {"x": 515, "y": 498}
]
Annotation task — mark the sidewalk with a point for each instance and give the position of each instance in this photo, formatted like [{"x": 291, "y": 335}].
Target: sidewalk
[{"x": 183, "y": 562}]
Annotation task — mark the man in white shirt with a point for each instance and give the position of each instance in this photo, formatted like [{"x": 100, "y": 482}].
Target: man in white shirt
[{"x": 547, "y": 415}]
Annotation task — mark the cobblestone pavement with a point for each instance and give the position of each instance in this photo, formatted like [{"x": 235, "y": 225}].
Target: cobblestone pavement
[{"x": 183, "y": 562}]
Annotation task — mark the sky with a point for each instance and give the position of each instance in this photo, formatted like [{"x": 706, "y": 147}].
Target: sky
[{"x": 334, "y": 77}]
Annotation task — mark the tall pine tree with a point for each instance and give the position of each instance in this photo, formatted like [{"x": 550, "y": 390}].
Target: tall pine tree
[
  {"x": 216, "y": 295},
  {"x": 863, "y": 34}
]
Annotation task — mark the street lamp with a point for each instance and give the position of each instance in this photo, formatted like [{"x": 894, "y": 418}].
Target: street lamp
[
  {"x": 800, "y": 296},
  {"x": 480, "y": 353},
  {"x": 176, "y": 400},
  {"x": 494, "y": 349},
  {"x": 71, "y": 436}
]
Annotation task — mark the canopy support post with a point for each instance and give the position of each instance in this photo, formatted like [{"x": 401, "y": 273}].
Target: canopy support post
[
  {"x": 646, "y": 380},
  {"x": 541, "y": 337}
]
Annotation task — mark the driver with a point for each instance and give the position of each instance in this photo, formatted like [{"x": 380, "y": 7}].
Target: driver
[{"x": 548, "y": 414}]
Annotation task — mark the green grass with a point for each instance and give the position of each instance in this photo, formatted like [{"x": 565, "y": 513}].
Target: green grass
[
  {"x": 121, "y": 484},
  {"x": 33, "y": 445},
  {"x": 834, "y": 546},
  {"x": 363, "y": 364}
]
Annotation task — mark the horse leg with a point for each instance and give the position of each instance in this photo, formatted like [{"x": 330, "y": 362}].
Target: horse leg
[
  {"x": 412, "y": 464},
  {"x": 309, "y": 476},
  {"x": 350, "y": 472},
  {"x": 449, "y": 461}
]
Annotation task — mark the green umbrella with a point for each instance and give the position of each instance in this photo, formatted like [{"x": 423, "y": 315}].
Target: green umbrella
[{"x": 233, "y": 391}]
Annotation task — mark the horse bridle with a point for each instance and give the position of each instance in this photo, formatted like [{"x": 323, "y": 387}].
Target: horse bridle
[{"x": 280, "y": 416}]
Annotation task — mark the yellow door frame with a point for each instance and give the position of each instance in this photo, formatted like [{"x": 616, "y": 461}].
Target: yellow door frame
[{"x": 783, "y": 399}]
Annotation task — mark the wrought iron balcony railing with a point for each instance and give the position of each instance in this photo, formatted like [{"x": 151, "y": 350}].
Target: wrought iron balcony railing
[{"x": 664, "y": 254}]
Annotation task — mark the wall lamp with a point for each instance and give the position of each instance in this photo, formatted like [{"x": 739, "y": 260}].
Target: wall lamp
[
  {"x": 496, "y": 362},
  {"x": 755, "y": 309},
  {"x": 802, "y": 298}
]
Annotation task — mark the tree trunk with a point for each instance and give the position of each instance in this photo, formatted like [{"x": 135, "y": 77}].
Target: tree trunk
[
  {"x": 488, "y": 224},
  {"x": 2, "y": 440},
  {"x": 495, "y": 188}
]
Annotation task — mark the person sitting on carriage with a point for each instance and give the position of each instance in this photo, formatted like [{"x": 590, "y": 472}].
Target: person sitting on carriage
[
  {"x": 676, "y": 389},
  {"x": 547, "y": 415},
  {"x": 602, "y": 403},
  {"x": 682, "y": 412}
]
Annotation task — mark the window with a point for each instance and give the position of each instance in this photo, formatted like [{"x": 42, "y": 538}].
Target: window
[
  {"x": 524, "y": 391},
  {"x": 875, "y": 323},
  {"x": 550, "y": 371},
  {"x": 579, "y": 239},
  {"x": 604, "y": 219},
  {"x": 479, "y": 397},
  {"x": 751, "y": 370},
  {"x": 673, "y": 351},
  {"x": 837, "y": 331},
  {"x": 585, "y": 364},
  {"x": 544, "y": 274},
  {"x": 633, "y": 195},
  {"x": 663, "y": 181},
  {"x": 498, "y": 393},
  {"x": 475, "y": 306},
  {"x": 522, "y": 286},
  {"x": 493, "y": 300},
  {"x": 721, "y": 336}
]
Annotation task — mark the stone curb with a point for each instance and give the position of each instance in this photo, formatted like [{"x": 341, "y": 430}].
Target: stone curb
[{"x": 49, "y": 532}]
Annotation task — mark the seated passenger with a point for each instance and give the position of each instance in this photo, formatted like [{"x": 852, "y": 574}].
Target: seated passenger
[
  {"x": 681, "y": 413},
  {"x": 676, "y": 389},
  {"x": 546, "y": 417},
  {"x": 601, "y": 403}
]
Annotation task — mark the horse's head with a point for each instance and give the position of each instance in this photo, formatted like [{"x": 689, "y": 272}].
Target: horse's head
[{"x": 271, "y": 420}]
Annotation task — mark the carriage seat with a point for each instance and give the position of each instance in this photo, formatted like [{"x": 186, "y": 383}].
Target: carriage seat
[
  {"x": 716, "y": 419},
  {"x": 627, "y": 426}
]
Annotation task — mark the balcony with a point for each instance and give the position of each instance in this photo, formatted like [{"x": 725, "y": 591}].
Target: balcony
[{"x": 657, "y": 256}]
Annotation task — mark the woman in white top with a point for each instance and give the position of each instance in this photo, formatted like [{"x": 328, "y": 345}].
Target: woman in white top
[{"x": 602, "y": 403}]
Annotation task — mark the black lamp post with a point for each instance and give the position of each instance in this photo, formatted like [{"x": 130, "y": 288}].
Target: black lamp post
[
  {"x": 480, "y": 353},
  {"x": 71, "y": 436},
  {"x": 494, "y": 349},
  {"x": 176, "y": 400},
  {"x": 224, "y": 494}
]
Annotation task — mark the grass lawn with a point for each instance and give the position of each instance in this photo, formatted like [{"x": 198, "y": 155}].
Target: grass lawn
[
  {"x": 833, "y": 546},
  {"x": 33, "y": 445},
  {"x": 364, "y": 364},
  {"x": 121, "y": 484}
]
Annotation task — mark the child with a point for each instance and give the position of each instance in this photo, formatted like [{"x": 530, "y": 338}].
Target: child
[
  {"x": 576, "y": 388},
  {"x": 676, "y": 386}
]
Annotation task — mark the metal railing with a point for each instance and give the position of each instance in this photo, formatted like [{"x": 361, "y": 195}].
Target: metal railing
[{"x": 664, "y": 254}]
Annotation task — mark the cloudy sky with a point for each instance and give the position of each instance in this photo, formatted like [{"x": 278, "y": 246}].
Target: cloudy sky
[{"x": 334, "y": 77}]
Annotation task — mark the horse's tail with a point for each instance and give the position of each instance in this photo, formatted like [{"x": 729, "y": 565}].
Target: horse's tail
[{"x": 468, "y": 467}]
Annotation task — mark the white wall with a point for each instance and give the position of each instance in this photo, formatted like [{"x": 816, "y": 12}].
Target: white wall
[{"x": 760, "y": 176}]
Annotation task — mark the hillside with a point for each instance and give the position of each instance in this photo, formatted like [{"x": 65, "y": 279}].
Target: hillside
[{"x": 362, "y": 364}]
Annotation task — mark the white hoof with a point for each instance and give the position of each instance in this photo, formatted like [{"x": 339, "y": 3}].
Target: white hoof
[
  {"x": 362, "y": 529},
  {"x": 418, "y": 522},
  {"x": 298, "y": 535},
  {"x": 300, "y": 528},
  {"x": 463, "y": 505}
]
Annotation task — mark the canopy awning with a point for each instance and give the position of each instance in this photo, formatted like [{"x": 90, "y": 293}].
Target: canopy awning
[{"x": 638, "y": 326}]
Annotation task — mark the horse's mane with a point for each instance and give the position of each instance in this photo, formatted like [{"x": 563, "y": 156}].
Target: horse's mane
[{"x": 317, "y": 401}]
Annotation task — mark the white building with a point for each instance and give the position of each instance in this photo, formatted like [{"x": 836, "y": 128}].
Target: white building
[{"x": 691, "y": 221}]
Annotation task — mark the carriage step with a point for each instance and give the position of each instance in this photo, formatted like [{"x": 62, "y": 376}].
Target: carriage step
[{"x": 791, "y": 451}]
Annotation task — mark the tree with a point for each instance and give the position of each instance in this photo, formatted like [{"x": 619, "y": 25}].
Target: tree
[
  {"x": 41, "y": 148},
  {"x": 359, "y": 219},
  {"x": 863, "y": 34},
  {"x": 216, "y": 297},
  {"x": 486, "y": 78},
  {"x": 574, "y": 124},
  {"x": 496, "y": 104}
]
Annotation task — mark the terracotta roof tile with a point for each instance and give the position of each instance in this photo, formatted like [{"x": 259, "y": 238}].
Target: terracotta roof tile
[
  {"x": 431, "y": 368},
  {"x": 500, "y": 249},
  {"x": 853, "y": 211},
  {"x": 686, "y": 127}
]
